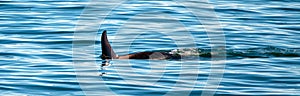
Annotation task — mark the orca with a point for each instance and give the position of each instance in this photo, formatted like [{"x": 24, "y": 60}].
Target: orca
[{"x": 108, "y": 52}]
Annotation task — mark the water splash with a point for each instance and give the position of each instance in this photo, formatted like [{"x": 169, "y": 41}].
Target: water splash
[{"x": 265, "y": 52}]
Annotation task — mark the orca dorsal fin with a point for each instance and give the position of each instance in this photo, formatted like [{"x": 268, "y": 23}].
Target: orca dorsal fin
[{"x": 107, "y": 51}]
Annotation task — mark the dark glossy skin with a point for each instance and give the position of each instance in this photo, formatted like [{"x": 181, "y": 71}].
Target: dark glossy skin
[
  {"x": 147, "y": 55},
  {"x": 108, "y": 53}
]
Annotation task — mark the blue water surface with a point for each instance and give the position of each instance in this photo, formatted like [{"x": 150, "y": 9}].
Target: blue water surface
[{"x": 262, "y": 48}]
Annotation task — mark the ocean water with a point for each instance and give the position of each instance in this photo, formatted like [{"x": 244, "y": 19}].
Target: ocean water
[{"x": 52, "y": 47}]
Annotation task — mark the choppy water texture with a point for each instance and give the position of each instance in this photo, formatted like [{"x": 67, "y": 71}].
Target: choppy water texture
[{"x": 262, "y": 48}]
